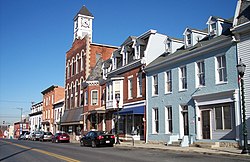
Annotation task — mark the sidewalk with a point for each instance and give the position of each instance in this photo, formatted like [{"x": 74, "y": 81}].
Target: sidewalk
[{"x": 226, "y": 151}]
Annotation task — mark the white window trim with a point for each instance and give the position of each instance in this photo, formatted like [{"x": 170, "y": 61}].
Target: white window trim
[
  {"x": 167, "y": 82},
  {"x": 85, "y": 98},
  {"x": 217, "y": 77},
  {"x": 222, "y": 117},
  {"x": 180, "y": 78},
  {"x": 130, "y": 89},
  {"x": 153, "y": 85},
  {"x": 92, "y": 97},
  {"x": 197, "y": 80},
  {"x": 154, "y": 121},
  {"x": 167, "y": 120},
  {"x": 138, "y": 85}
]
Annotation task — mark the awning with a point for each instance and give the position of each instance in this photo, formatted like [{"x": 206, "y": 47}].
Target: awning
[
  {"x": 100, "y": 110},
  {"x": 135, "y": 110},
  {"x": 72, "y": 116}
]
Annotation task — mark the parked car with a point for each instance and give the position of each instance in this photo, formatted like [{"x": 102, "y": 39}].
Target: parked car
[
  {"x": 60, "y": 137},
  {"x": 97, "y": 138},
  {"x": 30, "y": 135},
  {"x": 36, "y": 135},
  {"x": 26, "y": 135},
  {"x": 46, "y": 136},
  {"x": 21, "y": 137}
]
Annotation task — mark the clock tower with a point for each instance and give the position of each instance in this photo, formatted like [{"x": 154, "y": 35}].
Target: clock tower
[{"x": 83, "y": 24}]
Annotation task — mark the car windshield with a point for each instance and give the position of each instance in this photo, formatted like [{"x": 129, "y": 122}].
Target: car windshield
[
  {"x": 101, "y": 133},
  {"x": 47, "y": 133}
]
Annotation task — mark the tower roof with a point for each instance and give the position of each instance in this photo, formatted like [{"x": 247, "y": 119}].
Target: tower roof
[{"x": 84, "y": 11}]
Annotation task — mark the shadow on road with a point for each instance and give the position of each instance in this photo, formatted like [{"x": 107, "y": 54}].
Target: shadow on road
[{"x": 15, "y": 154}]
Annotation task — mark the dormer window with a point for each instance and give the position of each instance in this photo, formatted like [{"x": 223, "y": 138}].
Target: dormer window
[
  {"x": 167, "y": 43},
  {"x": 213, "y": 29},
  {"x": 189, "y": 39}
]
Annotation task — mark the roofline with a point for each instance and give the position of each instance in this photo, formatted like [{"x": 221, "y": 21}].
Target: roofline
[
  {"x": 50, "y": 89},
  {"x": 151, "y": 31},
  {"x": 106, "y": 45},
  {"x": 185, "y": 55}
]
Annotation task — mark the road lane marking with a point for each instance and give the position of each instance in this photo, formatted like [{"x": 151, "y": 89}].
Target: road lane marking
[{"x": 65, "y": 158}]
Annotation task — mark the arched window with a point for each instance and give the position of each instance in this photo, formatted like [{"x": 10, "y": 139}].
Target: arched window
[
  {"x": 77, "y": 64},
  {"x": 73, "y": 67},
  {"x": 76, "y": 94},
  {"x": 68, "y": 69},
  {"x": 68, "y": 97},
  {"x": 72, "y": 95},
  {"x": 81, "y": 92},
  {"x": 82, "y": 60}
]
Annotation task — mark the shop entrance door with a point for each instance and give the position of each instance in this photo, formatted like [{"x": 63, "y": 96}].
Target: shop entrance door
[{"x": 205, "y": 124}]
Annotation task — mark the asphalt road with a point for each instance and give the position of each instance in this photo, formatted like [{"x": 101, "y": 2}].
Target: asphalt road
[{"x": 26, "y": 151}]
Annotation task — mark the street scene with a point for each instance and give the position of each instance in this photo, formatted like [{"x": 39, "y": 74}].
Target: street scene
[
  {"x": 12, "y": 150},
  {"x": 87, "y": 81}
]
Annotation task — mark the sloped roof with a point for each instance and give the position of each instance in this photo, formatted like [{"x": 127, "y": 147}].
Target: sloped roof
[
  {"x": 96, "y": 73},
  {"x": 185, "y": 51},
  {"x": 129, "y": 39},
  {"x": 244, "y": 15},
  {"x": 84, "y": 11}
]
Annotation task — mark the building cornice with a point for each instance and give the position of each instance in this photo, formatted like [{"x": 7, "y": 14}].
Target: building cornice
[
  {"x": 125, "y": 68},
  {"x": 191, "y": 54}
]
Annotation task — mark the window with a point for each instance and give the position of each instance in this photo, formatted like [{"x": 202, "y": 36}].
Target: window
[
  {"x": 213, "y": 28},
  {"x": 221, "y": 69},
  {"x": 130, "y": 88},
  {"x": 139, "y": 85},
  {"x": 168, "y": 82},
  {"x": 155, "y": 85},
  {"x": 223, "y": 117},
  {"x": 73, "y": 67},
  {"x": 188, "y": 39},
  {"x": 86, "y": 98},
  {"x": 201, "y": 73},
  {"x": 77, "y": 64},
  {"x": 108, "y": 92},
  {"x": 155, "y": 117},
  {"x": 168, "y": 118},
  {"x": 82, "y": 60},
  {"x": 183, "y": 78},
  {"x": 68, "y": 70},
  {"x": 94, "y": 96}
]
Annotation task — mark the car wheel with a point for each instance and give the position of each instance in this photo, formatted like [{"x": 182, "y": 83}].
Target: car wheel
[
  {"x": 81, "y": 143},
  {"x": 93, "y": 144}
]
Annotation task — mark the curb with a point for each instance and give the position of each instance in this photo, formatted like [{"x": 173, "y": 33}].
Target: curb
[{"x": 204, "y": 151}]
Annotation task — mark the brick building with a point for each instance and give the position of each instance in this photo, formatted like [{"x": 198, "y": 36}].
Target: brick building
[
  {"x": 51, "y": 95},
  {"x": 81, "y": 59},
  {"x": 125, "y": 77}
]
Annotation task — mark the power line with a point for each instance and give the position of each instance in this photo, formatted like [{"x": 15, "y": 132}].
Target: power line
[{"x": 15, "y": 101}]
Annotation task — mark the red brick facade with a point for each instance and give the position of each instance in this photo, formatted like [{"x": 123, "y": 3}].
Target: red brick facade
[{"x": 50, "y": 96}]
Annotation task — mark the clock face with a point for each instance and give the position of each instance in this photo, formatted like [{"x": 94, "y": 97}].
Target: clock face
[{"x": 85, "y": 23}]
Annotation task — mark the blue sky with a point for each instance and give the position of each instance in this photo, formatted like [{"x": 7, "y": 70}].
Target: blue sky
[{"x": 35, "y": 36}]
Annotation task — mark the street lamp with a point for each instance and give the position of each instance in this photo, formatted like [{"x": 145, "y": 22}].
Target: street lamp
[
  {"x": 117, "y": 97},
  {"x": 241, "y": 70}
]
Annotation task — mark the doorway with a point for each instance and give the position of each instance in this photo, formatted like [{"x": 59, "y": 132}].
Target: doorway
[
  {"x": 185, "y": 120},
  {"x": 205, "y": 124}
]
